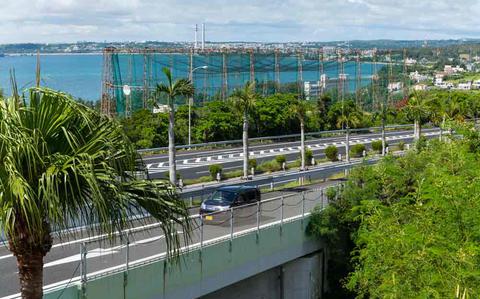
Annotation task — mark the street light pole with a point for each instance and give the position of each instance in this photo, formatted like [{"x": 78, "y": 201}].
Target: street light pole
[{"x": 190, "y": 103}]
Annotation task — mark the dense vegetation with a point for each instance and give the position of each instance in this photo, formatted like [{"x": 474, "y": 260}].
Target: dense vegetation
[{"x": 408, "y": 227}]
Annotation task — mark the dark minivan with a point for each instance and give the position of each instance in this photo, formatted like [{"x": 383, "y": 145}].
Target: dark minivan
[{"x": 227, "y": 197}]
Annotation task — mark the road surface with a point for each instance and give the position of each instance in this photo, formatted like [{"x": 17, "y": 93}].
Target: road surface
[{"x": 194, "y": 163}]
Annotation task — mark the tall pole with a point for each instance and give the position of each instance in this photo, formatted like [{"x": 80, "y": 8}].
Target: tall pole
[
  {"x": 37, "y": 75},
  {"x": 190, "y": 99},
  {"x": 203, "y": 36}
]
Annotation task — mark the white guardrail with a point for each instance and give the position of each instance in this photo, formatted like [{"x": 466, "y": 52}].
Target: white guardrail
[{"x": 238, "y": 141}]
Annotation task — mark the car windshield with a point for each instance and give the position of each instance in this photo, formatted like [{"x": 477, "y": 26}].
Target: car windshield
[{"x": 222, "y": 197}]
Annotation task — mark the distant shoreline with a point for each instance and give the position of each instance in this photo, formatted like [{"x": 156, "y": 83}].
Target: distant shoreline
[{"x": 53, "y": 54}]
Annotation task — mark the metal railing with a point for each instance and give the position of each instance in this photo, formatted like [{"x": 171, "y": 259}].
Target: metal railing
[{"x": 144, "y": 245}]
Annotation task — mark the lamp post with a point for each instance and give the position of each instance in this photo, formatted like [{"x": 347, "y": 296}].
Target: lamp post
[
  {"x": 190, "y": 102},
  {"x": 127, "y": 91}
]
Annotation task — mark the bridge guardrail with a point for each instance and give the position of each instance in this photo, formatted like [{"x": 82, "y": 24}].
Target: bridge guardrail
[{"x": 136, "y": 248}]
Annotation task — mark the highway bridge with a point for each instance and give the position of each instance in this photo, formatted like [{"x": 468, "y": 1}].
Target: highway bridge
[{"x": 245, "y": 242}]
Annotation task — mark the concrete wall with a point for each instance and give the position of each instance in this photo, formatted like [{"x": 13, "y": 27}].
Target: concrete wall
[
  {"x": 298, "y": 279},
  {"x": 206, "y": 271}
]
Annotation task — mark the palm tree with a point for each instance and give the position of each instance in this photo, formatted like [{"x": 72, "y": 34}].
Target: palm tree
[
  {"x": 350, "y": 117},
  {"x": 383, "y": 114},
  {"x": 300, "y": 108},
  {"x": 244, "y": 102},
  {"x": 64, "y": 163},
  {"x": 417, "y": 108},
  {"x": 179, "y": 88}
]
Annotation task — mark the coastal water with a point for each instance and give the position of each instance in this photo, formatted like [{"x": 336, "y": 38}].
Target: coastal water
[{"x": 79, "y": 75}]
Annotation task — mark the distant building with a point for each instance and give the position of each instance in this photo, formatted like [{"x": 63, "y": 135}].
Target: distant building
[
  {"x": 161, "y": 109},
  {"x": 417, "y": 77},
  {"x": 410, "y": 61},
  {"x": 313, "y": 88},
  {"x": 464, "y": 86},
  {"x": 420, "y": 87},
  {"x": 395, "y": 86},
  {"x": 476, "y": 84},
  {"x": 464, "y": 57}
]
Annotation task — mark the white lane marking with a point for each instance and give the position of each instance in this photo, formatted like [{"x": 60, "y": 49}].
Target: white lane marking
[
  {"x": 198, "y": 160},
  {"x": 97, "y": 252},
  {"x": 220, "y": 157},
  {"x": 162, "y": 255},
  {"x": 272, "y": 150},
  {"x": 149, "y": 165},
  {"x": 209, "y": 158},
  {"x": 185, "y": 161},
  {"x": 97, "y": 237},
  {"x": 230, "y": 156},
  {"x": 282, "y": 149},
  {"x": 160, "y": 164},
  {"x": 262, "y": 152}
]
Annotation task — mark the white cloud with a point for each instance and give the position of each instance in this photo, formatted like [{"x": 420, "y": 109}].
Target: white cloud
[{"x": 249, "y": 20}]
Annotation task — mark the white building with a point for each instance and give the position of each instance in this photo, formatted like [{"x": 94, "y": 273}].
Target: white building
[
  {"x": 420, "y": 87},
  {"x": 313, "y": 88},
  {"x": 464, "y": 86},
  {"x": 395, "y": 86},
  {"x": 417, "y": 77}
]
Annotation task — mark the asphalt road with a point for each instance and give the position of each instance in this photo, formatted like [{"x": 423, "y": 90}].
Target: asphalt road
[
  {"x": 62, "y": 263},
  {"x": 194, "y": 164}
]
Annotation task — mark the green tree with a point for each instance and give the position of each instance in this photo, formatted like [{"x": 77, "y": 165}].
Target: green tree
[
  {"x": 417, "y": 109},
  {"x": 351, "y": 117},
  {"x": 300, "y": 108},
  {"x": 179, "y": 88},
  {"x": 382, "y": 114},
  {"x": 64, "y": 163},
  {"x": 244, "y": 101},
  {"x": 217, "y": 121}
]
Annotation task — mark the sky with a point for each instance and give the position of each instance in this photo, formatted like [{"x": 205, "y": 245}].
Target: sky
[{"x": 52, "y": 21}]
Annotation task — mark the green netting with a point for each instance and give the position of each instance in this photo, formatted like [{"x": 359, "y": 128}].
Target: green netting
[{"x": 227, "y": 71}]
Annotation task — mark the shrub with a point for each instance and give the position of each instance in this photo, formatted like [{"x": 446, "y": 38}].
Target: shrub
[
  {"x": 214, "y": 169},
  {"x": 308, "y": 156},
  {"x": 281, "y": 159},
  {"x": 252, "y": 163},
  {"x": 332, "y": 153},
  {"x": 401, "y": 145},
  {"x": 377, "y": 146},
  {"x": 421, "y": 143},
  {"x": 167, "y": 175},
  {"x": 357, "y": 150},
  {"x": 269, "y": 166}
]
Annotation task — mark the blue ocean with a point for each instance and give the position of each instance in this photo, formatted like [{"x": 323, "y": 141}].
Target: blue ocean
[{"x": 79, "y": 75}]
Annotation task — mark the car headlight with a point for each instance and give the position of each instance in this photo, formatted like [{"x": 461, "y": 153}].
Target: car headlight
[{"x": 221, "y": 208}]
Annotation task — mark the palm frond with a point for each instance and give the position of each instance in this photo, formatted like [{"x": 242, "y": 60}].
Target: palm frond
[{"x": 65, "y": 164}]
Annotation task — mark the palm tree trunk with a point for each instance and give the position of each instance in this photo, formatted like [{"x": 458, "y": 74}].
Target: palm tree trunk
[
  {"x": 30, "y": 272},
  {"x": 29, "y": 252},
  {"x": 171, "y": 147},
  {"x": 302, "y": 144},
  {"x": 245, "y": 145},
  {"x": 347, "y": 145},
  {"x": 417, "y": 131},
  {"x": 384, "y": 139}
]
